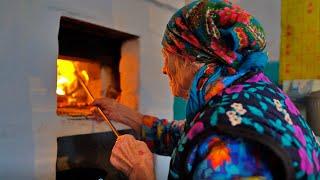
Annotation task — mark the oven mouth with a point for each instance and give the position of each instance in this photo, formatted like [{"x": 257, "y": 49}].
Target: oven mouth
[{"x": 88, "y": 53}]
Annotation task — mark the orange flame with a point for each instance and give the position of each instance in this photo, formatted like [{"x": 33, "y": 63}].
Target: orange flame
[{"x": 66, "y": 77}]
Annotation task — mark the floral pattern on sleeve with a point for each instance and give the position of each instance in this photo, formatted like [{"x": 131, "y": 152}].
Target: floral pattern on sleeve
[{"x": 160, "y": 135}]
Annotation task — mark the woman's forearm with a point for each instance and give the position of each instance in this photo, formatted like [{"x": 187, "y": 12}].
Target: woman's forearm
[
  {"x": 133, "y": 119},
  {"x": 160, "y": 135}
]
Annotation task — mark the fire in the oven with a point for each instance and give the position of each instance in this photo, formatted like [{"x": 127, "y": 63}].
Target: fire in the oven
[
  {"x": 69, "y": 91},
  {"x": 67, "y": 79}
]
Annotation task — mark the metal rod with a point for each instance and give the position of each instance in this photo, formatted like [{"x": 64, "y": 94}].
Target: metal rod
[{"x": 105, "y": 118}]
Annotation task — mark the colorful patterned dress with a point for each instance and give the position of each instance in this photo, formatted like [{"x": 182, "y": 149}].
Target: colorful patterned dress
[
  {"x": 250, "y": 130},
  {"x": 238, "y": 124}
]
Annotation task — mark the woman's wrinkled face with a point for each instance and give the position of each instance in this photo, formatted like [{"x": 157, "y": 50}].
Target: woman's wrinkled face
[{"x": 180, "y": 72}]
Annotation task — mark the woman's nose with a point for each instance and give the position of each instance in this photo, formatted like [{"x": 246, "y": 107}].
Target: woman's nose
[{"x": 164, "y": 70}]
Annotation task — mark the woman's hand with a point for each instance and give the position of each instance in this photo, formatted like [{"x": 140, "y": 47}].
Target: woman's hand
[
  {"x": 133, "y": 158},
  {"x": 118, "y": 112}
]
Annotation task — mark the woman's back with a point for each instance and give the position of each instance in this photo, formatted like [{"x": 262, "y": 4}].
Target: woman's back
[{"x": 258, "y": 112}]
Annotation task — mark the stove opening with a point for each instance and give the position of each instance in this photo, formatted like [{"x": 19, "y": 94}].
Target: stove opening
[
  {"x": 90, "y": 54},
  {"x": 87, "y": 157}
]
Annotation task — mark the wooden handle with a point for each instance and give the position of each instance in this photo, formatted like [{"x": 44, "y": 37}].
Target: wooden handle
[{"x": 105, "y": 118}]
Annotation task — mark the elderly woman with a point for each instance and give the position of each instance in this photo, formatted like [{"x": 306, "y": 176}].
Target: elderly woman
[{"x": 238, "y": 125}]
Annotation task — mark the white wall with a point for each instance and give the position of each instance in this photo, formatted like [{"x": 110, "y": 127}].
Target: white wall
[{"x": 28, "y": 49}]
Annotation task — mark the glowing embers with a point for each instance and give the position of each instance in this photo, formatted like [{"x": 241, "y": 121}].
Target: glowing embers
[{"x": 72, "y": 100}]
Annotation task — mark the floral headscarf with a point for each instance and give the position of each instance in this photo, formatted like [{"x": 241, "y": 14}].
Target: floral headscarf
[{"x": 215, "y": 31}]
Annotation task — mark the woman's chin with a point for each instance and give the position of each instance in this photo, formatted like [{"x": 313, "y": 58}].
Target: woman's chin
[{"x": 179, "y": 93}]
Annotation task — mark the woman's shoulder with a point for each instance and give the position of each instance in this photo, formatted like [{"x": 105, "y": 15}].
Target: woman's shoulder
[
  {"x": 258, "y": 86},
  {"x": 262, "y": 111},
  {"x": 256, "y": 99},
  {"x": 253, "y": 93}
]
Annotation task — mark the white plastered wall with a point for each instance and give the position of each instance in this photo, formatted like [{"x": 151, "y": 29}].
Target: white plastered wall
[{"x": 29, "y": 48}]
